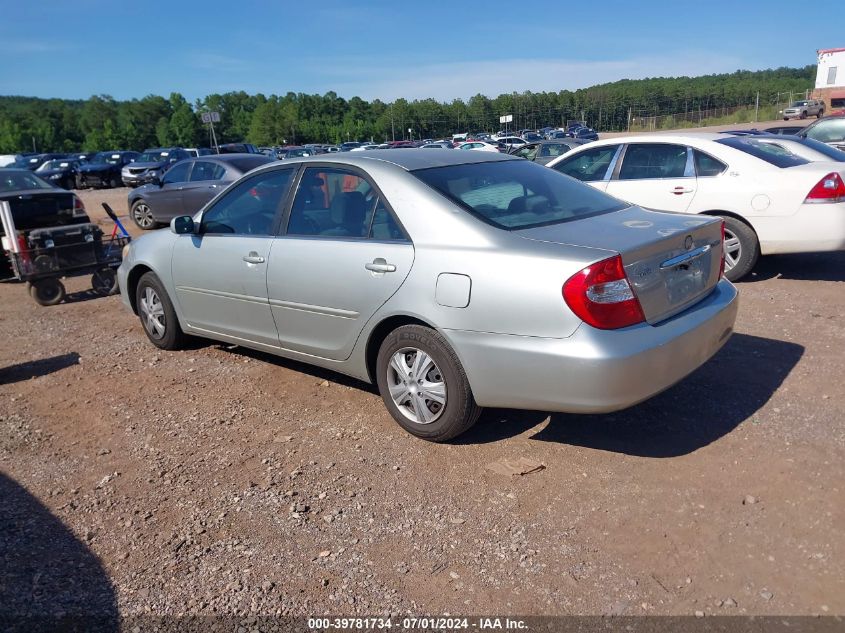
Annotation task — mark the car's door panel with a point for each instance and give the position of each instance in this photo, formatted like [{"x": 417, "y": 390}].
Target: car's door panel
[
  {"x": 322, "y": 293},
  {"x": 166, "y": 202},
  {"x": 220, "y": 292},
  {"x": 656, "y": 176},
  {"x": 342, "y": 257}
]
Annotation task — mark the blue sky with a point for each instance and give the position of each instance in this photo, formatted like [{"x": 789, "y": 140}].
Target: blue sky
[{"x": 388, "y": 49}]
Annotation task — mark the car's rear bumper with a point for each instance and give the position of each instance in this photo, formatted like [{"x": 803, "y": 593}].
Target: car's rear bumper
[
  {"x": 595, "y": 371},
  {"x": 816, "y": 228}
]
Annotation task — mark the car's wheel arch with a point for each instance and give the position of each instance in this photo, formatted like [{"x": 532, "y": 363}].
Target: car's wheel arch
[
  {"x": 735, "y": 216},
  {"x": 132, "y": 280}
]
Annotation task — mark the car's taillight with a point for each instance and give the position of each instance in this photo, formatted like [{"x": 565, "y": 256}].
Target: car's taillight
[
  {"x": 722, "y": 264},
  {"x": 601, "y": 296},
  {"x": 78, "y": 208},
  {"x": 831, "y": 188}
]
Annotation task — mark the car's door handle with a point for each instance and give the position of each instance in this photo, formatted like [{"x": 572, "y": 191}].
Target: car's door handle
[
  {"x": 681, "y": 190},
  {"x": 380, "y": 265},
  {"x": 253, "y": 258}
]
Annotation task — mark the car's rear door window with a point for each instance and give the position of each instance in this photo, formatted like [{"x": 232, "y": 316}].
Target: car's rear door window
[
  {"x": 706, "y": 165},
  {"x": 589, "y": 165},
  {"x": 517, "y": 194},
  {"x": 332, "y": 202}
]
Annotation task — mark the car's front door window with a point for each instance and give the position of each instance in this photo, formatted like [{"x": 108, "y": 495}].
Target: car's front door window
[
  {"x": 251, "y": 207},
  {"x": 177, "y": 173},
  {"x": 654, "y": 160}
]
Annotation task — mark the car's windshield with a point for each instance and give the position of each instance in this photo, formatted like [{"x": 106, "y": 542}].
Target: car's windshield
[
  {"x": 798, "y": 104},
  {"x": 517, "y": 194},
  {"x": 772, "y": 153},
  {"x": 20, "y": 181},
  {"x": 106, "y": 158},
  {"x": 153, "y": 157},
  {"x": 54, "y": 164}
]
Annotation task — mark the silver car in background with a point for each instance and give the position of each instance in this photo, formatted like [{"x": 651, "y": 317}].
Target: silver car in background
[{"x": 452, "y": 280}]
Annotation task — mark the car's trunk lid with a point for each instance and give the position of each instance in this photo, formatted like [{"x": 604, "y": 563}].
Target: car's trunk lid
[{"x": 672, "y": 261}]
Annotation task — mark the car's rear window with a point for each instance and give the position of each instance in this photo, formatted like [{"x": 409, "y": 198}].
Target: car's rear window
[
  {"x": 250, "y": 162},
  {"x": 517, "y": 194},
  {"x": 13, "y": 180},
  {"x": 772, "y": 153}
]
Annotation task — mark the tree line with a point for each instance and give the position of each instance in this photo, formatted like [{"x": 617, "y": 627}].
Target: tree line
[{"x": 101, "y": 122}]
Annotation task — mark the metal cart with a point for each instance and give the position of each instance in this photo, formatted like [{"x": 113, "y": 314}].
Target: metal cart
[{"x": 43, "y": 257}]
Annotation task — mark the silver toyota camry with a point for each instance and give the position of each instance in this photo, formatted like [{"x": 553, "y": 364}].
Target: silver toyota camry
[{"x": 452, "y": 280}]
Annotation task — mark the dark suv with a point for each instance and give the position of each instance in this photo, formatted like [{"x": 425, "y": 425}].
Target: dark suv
[
  {"x": 152, "y": 163},
  {"x": 104, "y": 169}
]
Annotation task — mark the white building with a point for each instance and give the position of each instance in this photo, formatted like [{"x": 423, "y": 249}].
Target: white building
[
  {"x": 830, "y": 78},
  {"x": 831, "y": 70}
]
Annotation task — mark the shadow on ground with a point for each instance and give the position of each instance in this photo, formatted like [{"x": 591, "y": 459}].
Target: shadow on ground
[
  {"x": 36, "y": 368},
  {"x": 49, "y": 580},
  {"x": 707, "y": 405},
  {"x": 802, "y": 267}
]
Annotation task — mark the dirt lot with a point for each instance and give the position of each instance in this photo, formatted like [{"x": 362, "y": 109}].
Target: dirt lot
[{"x": 220, "y": 480}]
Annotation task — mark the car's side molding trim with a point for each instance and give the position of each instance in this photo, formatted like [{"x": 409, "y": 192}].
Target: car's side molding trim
[
  {"x": 324, "y": 310},
  {"x": 220, "y": 293}
]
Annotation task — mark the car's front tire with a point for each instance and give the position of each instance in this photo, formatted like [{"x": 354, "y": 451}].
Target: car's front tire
[
  {"x": 742, "y": 248},
  {"x": 157, "y": 315},
  {"x": 142, "y": 215},
  {"x": 423, "y": 384}
]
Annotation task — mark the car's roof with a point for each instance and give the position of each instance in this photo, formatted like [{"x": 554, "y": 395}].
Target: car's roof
[
  {"x": 409, "y": 159},
  {"x": 661, "y": 138}
]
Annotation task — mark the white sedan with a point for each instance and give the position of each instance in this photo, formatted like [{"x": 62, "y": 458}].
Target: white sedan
[
  {"x": 773, "y": 199},
  {"x": 480, "y": 146}
]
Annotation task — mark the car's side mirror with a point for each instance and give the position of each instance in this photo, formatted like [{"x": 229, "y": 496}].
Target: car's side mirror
[
  {"x": 156, "y": 180},
  {"x": 182, "y": 225}
]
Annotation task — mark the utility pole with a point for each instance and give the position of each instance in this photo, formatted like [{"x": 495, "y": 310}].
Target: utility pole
[
  {"x": 392, "y": 129},
  {"x": 629, "y": 119},
  {"x": 757, "y": 107}
]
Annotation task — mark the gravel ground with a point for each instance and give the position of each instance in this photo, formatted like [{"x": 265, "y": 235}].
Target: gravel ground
[{"x": 219, "y": 480}]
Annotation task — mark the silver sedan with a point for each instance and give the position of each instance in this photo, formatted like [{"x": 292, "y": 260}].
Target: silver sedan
[{"x": 452, "y": 280}]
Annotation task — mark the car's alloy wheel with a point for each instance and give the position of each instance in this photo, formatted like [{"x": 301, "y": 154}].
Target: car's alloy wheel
[
  {"x": 142, "y": 215},
  {"x": 152, "y": 314},
  {"x": 416, "y": 385},
  {"x": 733, "y": 250}
]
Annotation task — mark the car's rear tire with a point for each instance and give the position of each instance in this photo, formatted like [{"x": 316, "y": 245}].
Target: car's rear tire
[
  {"x": 115, "y": 182},
  {"x": 47, "y": 292},
  {"x": 157, "y": 315},
  {"x": 742, "y": 248},
  {"x": 142, "y": 215},
  {"x": 423, "y": 384},
  {"x": 820, "y": 114}
]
